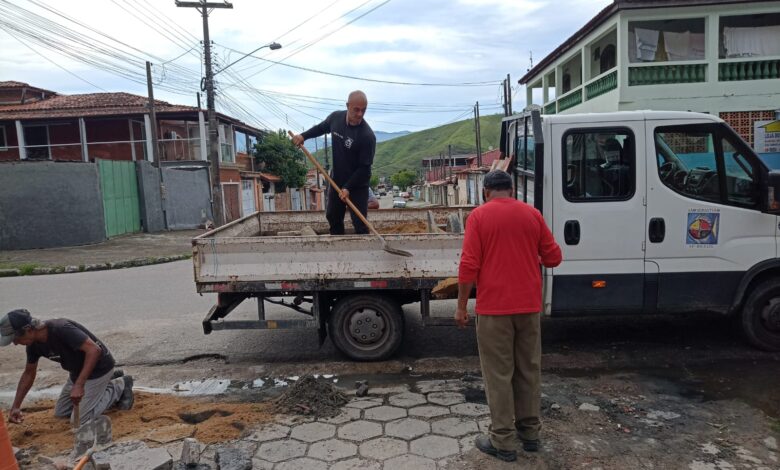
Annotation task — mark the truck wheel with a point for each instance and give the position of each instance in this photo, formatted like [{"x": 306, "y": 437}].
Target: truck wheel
[
  {"x": 761, "y": 316},
  {"x": 366, "y": 327}
]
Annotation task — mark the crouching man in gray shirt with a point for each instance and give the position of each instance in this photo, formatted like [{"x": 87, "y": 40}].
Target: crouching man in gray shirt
[{"x": 93, "y": 385}]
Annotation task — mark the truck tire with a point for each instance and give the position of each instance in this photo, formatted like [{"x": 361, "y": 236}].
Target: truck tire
[
  {"x": 366, "y": 327},
  {"x": 761, "y": 316}
]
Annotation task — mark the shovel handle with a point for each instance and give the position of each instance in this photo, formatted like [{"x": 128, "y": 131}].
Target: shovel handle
[
  {"x": 76, "y": 416},
  {"x": 333, "y": 183}
]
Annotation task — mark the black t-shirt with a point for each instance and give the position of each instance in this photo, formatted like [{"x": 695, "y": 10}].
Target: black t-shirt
[
  {"x": 62, "y": 345},
  {"x": 353, "y": 149}
]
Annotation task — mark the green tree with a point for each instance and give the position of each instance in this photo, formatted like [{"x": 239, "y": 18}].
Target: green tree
[
  {"x": 404, "y": 178},
  {"x": 373, "y": 181},
  {"x": 276, "y": 154}
]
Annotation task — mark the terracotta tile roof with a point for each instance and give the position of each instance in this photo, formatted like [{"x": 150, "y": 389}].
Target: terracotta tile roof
[
  {"x": 11, "y": 84},
  {"x": 91, "y": 104}
]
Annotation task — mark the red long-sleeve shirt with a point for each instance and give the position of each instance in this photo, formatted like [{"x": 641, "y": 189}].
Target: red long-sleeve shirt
[{"x": 506, "y": 240}]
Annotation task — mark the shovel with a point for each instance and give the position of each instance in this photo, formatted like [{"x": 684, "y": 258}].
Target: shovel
[{"x": 385, "y": 245}]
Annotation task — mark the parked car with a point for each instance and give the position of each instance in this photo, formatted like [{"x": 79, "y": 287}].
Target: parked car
[
  {"x": 405, "y": 194},
  {"x": 399, "y": 202}
]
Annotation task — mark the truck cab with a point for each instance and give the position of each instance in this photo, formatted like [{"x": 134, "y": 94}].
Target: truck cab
[{"x": 656, "y": 212}]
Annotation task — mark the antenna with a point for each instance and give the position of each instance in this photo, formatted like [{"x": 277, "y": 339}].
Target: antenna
[{"x": 530, "y": 61}]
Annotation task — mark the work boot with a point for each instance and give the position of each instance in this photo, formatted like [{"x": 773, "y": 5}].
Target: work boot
[
  {"x": 117, "y": 373},
  {"x": 127, "y": 399},
  {"x": 530, "y": 445},
  {"x": 483, "y": 443}
]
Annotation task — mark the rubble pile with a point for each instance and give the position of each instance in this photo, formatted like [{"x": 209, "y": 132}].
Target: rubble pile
[{"x": 312, "y": 397}]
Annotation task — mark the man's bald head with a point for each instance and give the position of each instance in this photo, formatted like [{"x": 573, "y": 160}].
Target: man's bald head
[{"x": 356, "y": 107}]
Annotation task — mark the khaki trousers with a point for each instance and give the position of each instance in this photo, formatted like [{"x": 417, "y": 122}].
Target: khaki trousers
[
  {"x": 99, "y": 395},
  {"x": 510, "y": 352}
]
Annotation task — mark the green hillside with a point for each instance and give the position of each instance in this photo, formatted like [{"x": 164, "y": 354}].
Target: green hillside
[{"x": 408, "y": 151}]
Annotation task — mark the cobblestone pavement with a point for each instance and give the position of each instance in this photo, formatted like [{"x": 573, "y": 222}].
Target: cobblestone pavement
[{"x": 392, "y": 429}]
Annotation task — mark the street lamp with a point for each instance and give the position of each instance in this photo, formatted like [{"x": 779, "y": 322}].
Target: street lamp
[{"x": 207, "y": 84}]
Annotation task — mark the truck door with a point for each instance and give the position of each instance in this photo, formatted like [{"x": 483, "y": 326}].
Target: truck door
[
  {"x": 598, "y": 216},
  {"x": 704, "y": 227}
]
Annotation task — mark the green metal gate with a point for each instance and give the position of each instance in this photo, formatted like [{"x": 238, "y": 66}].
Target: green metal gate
[{"x": 120, "y": 197}]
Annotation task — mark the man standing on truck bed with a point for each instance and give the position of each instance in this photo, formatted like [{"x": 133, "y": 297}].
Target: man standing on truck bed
[
  {"x": 504, "y": 244},
  {"x": 354, "y": 144},
  {"x": 93, "y": 385}
]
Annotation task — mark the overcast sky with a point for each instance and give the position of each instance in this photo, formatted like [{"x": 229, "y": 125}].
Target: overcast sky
[{"x": 414, "y": 41}]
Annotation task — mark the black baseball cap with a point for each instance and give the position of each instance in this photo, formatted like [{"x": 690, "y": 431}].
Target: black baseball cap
[
  {"x": 497, "y": 179},
  {"x": 12, "y": 324}
]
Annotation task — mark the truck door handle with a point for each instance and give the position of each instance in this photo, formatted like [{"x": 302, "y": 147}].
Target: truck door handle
[
  {"x": 657, "y": 230},
  {"x": 571, "y": 232}
]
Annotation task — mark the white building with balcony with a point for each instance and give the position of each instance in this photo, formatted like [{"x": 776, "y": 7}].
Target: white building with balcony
[{"x": 715, "y": 56}]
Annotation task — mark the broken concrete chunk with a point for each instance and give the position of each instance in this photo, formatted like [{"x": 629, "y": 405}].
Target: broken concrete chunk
[
  {"x": 308, "y": 231},
  {"x": 770, "y": 443},
  {"x": 231, "y": 458},
  {"x": 589, "y": 407},
  {"x": 190, "y": 451}
]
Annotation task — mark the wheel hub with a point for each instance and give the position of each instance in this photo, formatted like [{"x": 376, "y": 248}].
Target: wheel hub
[
  {"x": 366, "y": 326},
  {"x": 771, "y": 315}
]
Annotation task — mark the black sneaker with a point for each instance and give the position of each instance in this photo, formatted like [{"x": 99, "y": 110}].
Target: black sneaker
[
  {"x": 530, "y": 445},
  {"x": 127, "y": 399},
  {"x": 483, "y": 443}
]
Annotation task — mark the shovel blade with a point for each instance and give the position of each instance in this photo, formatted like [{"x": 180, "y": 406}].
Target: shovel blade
[{"x": 395, "y": 251}]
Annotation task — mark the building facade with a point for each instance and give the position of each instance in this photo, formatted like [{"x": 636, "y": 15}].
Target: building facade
[{"x": 720, "y": 57}]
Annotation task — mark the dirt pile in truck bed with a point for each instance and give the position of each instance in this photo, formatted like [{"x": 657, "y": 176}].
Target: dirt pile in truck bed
[
  {"x": 417, "y": 226},
  {"x": 312, "y": 397}
]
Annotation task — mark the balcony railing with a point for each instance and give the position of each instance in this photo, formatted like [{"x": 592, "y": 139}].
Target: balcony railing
[
  {"x": 569, "y": 101},
  {"x": 549, "y": 108},
  {"x": 667, "y": 74},
  {"x": 749, "y": 70},
  {"x": 601, "y": 85}
]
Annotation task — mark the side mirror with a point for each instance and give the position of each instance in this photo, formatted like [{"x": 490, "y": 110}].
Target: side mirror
[{"x": 770, "y": 194}]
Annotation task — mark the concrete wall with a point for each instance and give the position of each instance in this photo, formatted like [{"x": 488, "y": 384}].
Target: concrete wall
[
  {"x": 48, "y": 204},
  {"x": 150, "y": 200},
  {"x": 187, "y": 198}
]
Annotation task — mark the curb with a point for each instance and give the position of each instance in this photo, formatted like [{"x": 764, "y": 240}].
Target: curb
[{"x": 94, "y": 267}]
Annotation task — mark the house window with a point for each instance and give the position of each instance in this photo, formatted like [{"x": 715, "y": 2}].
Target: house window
[
  {"x": 240, "y": 142},
  {"x": 750, "y": 36},
  {"x": 607, "y": 59},
  {"x": 599, "y": 164},
  {"x": 3, "y": 139},
  {"x": 666, "y": 40},
  {"x": 226, "y": 143},
  {"x": 36, "y": 142}
]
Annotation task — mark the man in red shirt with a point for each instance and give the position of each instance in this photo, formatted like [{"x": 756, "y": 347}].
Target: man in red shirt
[{"x": 506, "y": 240}]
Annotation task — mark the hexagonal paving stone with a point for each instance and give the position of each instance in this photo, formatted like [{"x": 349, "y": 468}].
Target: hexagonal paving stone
[
  {"x": 292, "y": 420},
  {"x": 313, "y": 432},
  {"x": 303, "y": 464},
  {"x": 467, "y": 443},
  {"x": 384, "y": 413},
  {"x": 364, "y": 403},
  {"x": 410, "y": 462},
  {"x": 454, "y": 427},
  {"x": 356, "y": 464},
  {"x": 332, "y": 449},
  {"x": 407, "y": 428},
  {"x": 407, "y": 400},
  {"x": 446, "y": 398},
  {"x": 269, "y": 432},
  {"x": 278, "y": 451},
  {"x": 471, "y": 409},
  {"x": 346, "y": 415},
  {"x": 382, "y": 448},
  {"x": 428, "y": 411},
  {"x": 484, "y": 425},
  {"x": 389, "y": 390},
  {"x": 258, "y": 464},
  {"x": 435, "y": 447},
  {"x": 360, "y": 430}
]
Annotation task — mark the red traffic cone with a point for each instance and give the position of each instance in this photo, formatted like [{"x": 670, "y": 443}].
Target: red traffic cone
[{"x": 7, "y": 458}]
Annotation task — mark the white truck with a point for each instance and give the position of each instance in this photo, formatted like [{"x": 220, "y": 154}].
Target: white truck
[{"x": 656, "y": 212}]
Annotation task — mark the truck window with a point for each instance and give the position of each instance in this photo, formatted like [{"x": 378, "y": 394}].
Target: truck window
[
  {"x": 699, "y": 162},
  {"x": 599, "y": 165}
]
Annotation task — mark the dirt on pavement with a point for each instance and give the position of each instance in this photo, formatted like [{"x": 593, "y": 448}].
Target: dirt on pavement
[
  {"x": 312, "y": 397},
  {"x": 155, "y": 418}
]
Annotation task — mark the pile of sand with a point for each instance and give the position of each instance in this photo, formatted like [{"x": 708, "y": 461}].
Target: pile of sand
[
  {"x": 155, "y": 418},
  {"x": 417, "y": 226},
  {"x": 312, "y": 397}
]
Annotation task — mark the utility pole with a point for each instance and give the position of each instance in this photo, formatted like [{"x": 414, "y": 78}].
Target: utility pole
[
  {"x": 203, "y": 7},
  {"x": 509, "y": 95},
  {"x": 152, "y": 114},
  {"x": 479, "y": 137},
  {"x": 449, "y": 151}
]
